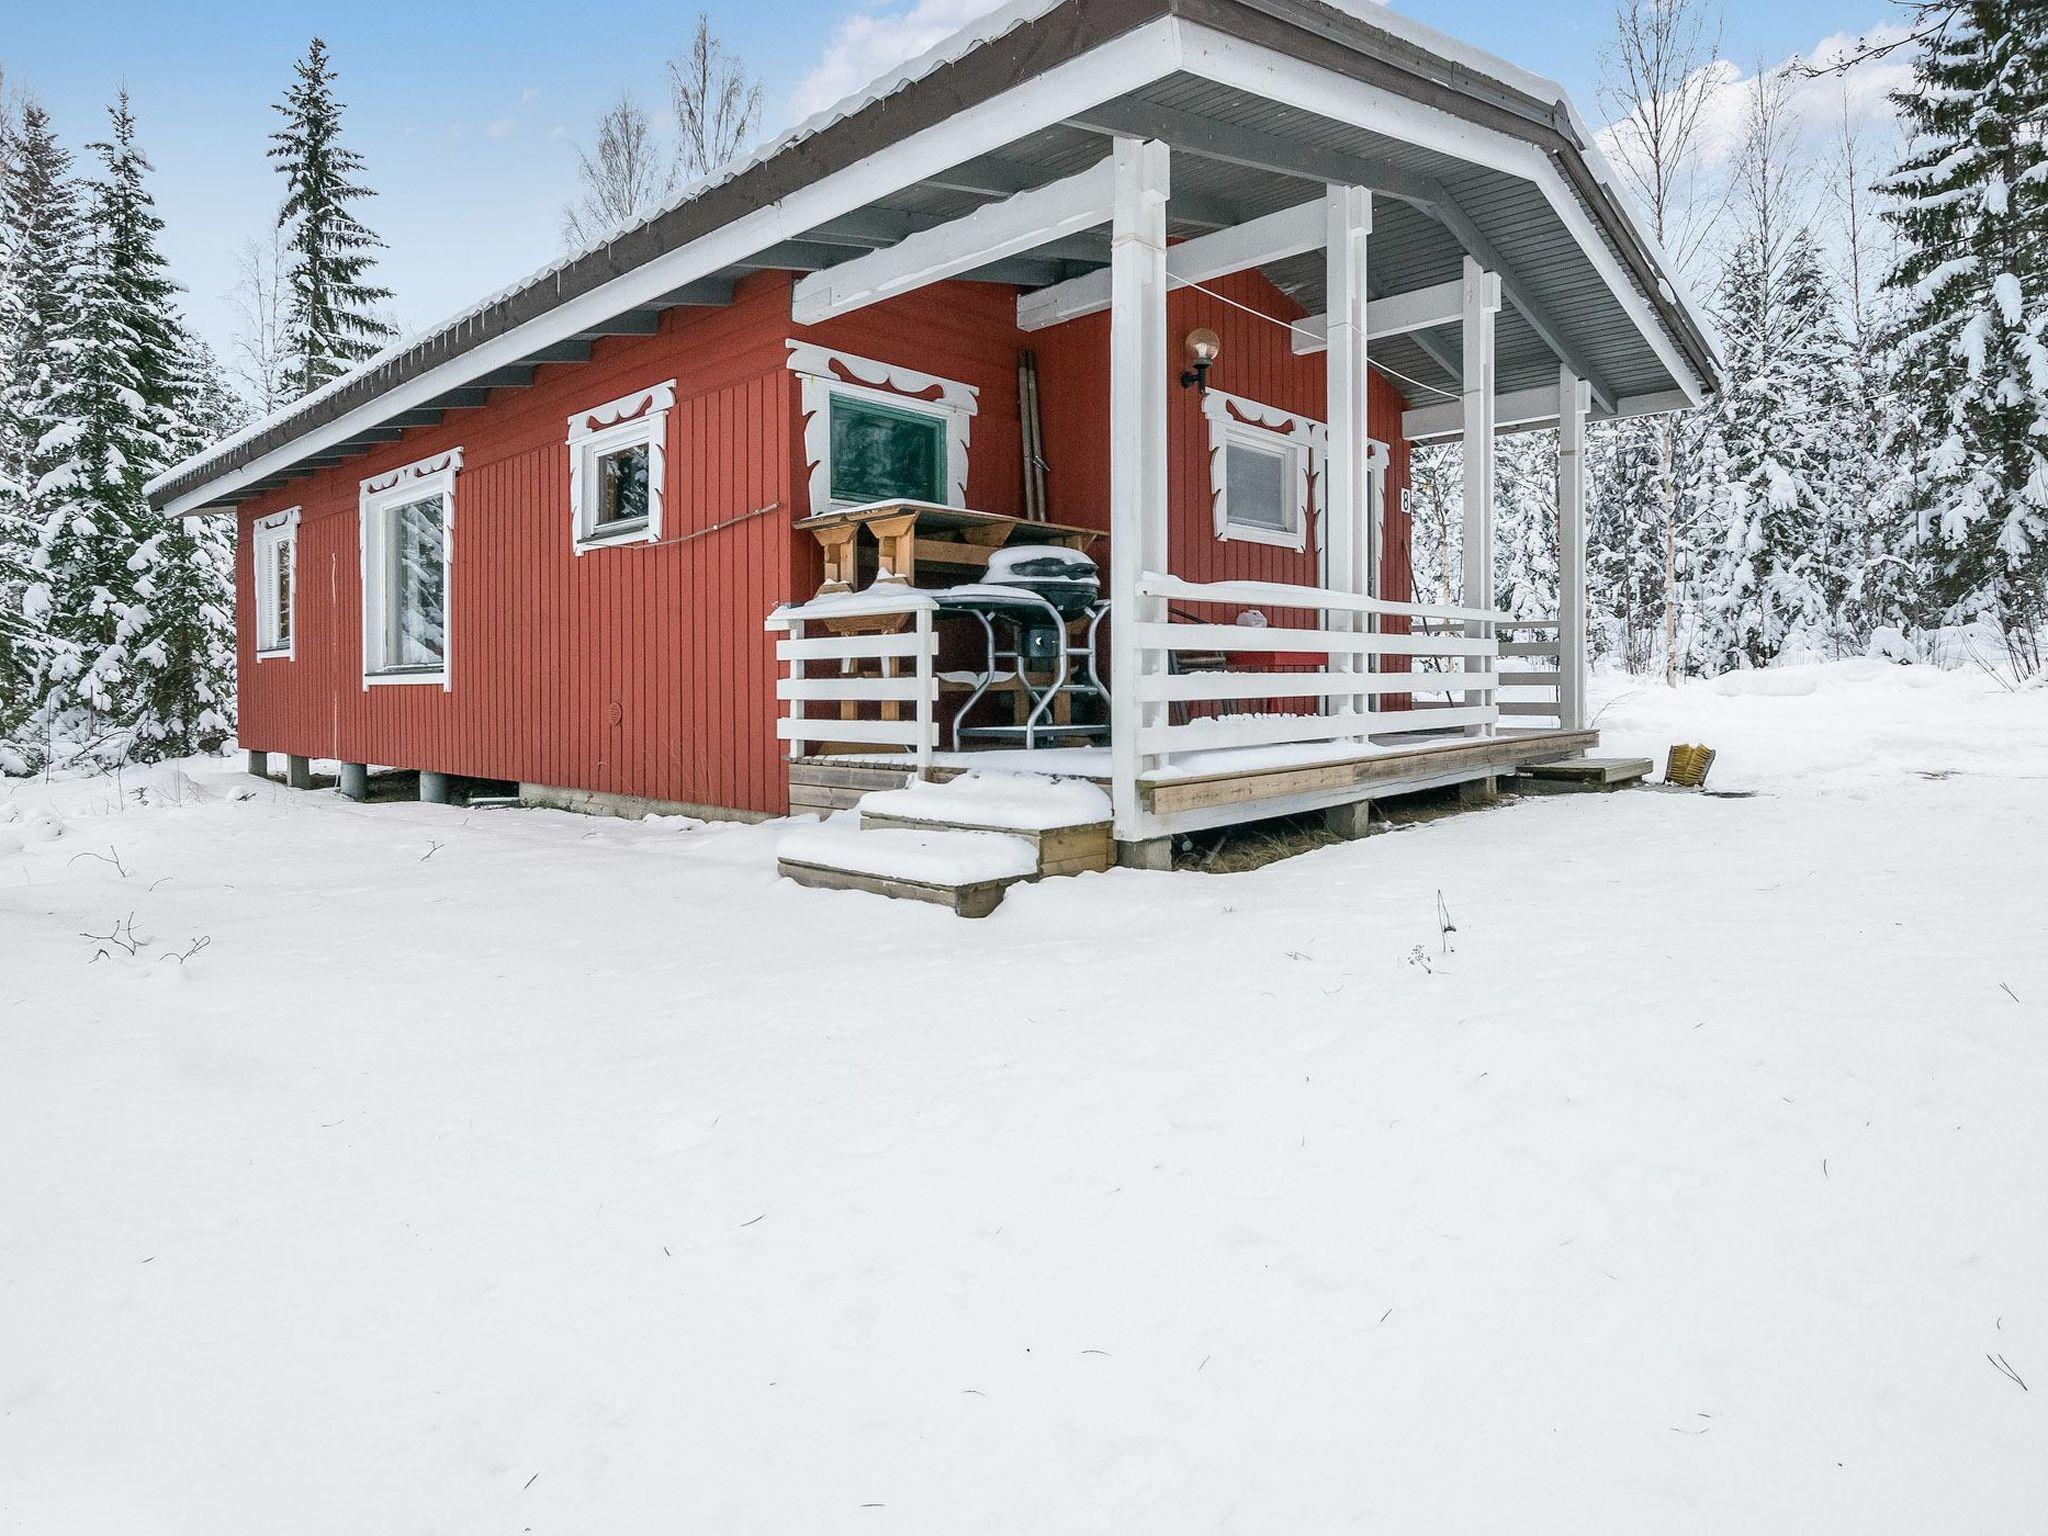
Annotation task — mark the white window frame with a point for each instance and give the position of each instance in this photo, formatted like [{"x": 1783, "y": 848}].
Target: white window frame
[
  {"x": 822, "y": 374},
  {"x": 638, "y": 420},
  {"x": 1298, "y": 439},
  {"x": 275, "y": 538},
  {"x": 378, "y": 496}
]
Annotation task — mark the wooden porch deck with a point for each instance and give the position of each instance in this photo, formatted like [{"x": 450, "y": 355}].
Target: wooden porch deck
[{"x": 1244, "y": 785}]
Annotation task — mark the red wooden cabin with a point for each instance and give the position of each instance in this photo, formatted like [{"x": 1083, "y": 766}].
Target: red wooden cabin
[{"x": 538, "y": 544}]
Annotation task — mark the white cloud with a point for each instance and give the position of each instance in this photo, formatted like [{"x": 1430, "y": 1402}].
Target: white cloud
[{"x": 874, "y": 40}]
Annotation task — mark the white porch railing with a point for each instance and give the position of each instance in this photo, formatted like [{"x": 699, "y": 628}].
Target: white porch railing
[
  {"x": 1530, "y": 668},
  {"x": 884, "y": 686},
  {"x": 1348, "y": 690}
]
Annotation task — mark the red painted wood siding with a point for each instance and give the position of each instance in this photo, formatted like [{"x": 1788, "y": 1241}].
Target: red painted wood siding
[{"x": 644, "y": 669}]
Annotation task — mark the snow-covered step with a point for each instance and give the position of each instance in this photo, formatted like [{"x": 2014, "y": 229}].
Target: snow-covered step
[
  {"x": 1595, "y": 773},
  {"x": 967, "y": 871},
  {"x": 1067, "y": 821}
]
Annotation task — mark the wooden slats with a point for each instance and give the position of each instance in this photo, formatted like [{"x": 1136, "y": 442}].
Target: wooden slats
[
  {"x": 892, "y": 733},
  {"x": 1189, "y": 687},
  {"x": 1271, "y": 730},
  {"x": 904, "y": 689},
  {"x": 1239, "y": 637},
  {"x": 835, "y": 647}
]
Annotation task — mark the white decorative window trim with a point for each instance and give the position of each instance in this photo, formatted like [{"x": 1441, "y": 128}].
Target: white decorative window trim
[
  {"x": 821, "y": 373},
  {"x": 430, "y": 476},
  {"x": 273, "y": 538},
  {"x": 1301, "y": 438},
  {"x": 631, "y": 421}
]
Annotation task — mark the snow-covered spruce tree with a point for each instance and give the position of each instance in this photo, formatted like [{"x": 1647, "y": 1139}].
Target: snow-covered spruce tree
[
  {"x": 138, "y": 654},
  {"x": 1779, "y": 577},
  {"x": 1971, "y": 215},
  {"x": 39, "y": 208},
  {"x": 1625, "y": 529},
  {"x": 1525, "y": 525},
  {"x": 332, "y": 322}
]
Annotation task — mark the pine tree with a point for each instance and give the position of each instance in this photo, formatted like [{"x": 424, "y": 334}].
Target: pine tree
[
  {"x": 1972, "y": 221},
  {"x": 332, "y": 322},
  {"x": 1625, "y": 525}
]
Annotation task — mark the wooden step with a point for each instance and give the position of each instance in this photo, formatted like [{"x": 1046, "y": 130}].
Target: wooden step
[
  {"x": 965, "y": 870},
  {"x": 1579, "y": 774},
  {"x": 1060, "y": 850}
]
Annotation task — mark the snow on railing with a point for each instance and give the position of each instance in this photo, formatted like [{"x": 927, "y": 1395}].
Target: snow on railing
[
  {"x": 1345, "y": 698},
  {"x": 869, "y": 668}
]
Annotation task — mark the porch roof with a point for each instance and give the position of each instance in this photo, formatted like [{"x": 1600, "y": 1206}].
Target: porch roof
[{"x": 1264, "y": 102}]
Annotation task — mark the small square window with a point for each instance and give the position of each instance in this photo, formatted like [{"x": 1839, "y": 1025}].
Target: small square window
[
  {"x": 622, "y": 487},
  {"x": 616, "y": 468},
  {"x": 1257, "y": 483},
  {"x": 885, "y": 452},
  {"x": 1262, "y": 488}
]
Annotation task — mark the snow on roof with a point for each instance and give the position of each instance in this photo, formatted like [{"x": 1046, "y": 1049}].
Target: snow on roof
[
  {"x": 975, "y": 34},
  {"x": 945, "y": 51}
]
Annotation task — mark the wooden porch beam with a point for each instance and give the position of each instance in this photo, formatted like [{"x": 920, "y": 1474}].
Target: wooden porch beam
[
  {"x": 571, "y": 351},
  {"x": 1137, "y": 457},
  {"x": 1018, "y": 224},
  {"x": 1274, "y": 237},
  {"x": 1482, "y": 303},
  {"x": 1260, "y": 150},
  {"x": 1395, "y": 315},
  {"x": 1576, "y": 398},
  {"x": 1517, "y": 408}
]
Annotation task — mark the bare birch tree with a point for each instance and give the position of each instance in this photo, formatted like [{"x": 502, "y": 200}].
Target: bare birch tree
[
  {"x": 259, "y": 358},
  {"x": 622, "y": 176},
  {"x": 1657, "y": 79},
  {"x": 717, "y": 103}
]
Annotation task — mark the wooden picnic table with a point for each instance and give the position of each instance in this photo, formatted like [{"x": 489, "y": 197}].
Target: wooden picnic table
[{"x": 913, "y": 537}]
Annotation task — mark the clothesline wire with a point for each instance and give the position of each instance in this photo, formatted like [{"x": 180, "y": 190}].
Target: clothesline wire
[{"x": 1289, "y": 325}]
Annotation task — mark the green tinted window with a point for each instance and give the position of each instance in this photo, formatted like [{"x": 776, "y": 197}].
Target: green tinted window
[{"x": 885, "y": 452}]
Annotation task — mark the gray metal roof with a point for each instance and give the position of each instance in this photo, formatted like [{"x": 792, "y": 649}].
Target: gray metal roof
[{"x": 1236, "y": 155}]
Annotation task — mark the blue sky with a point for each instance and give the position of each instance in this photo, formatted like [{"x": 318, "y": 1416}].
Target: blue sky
[{"x": 467, "y": 113}]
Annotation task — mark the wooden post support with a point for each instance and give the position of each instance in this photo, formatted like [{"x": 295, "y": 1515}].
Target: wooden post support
[
  {"x": 1347, "y": 494},
  {"x": 925, "y": 713},
  {"x": 298, "y": 771},
  {"x": 1137, "y": 453},
  {"x": 1574, "y": 399},
  {"x": 1482, "y": 303}
]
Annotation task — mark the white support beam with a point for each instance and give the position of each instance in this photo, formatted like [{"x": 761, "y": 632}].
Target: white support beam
[
  {"x": 1395, "y": 315},
  {"x": 1137, "y": 459},
  {"x": 1273, "y": 237},
  {"x": 1482, "y": 304},
  {"x": 1347, "y": 485},
  {"x": 1577, "y": 396},
  {"x": 989, "y": 234},
  {"x": 1446, "y": 419}
]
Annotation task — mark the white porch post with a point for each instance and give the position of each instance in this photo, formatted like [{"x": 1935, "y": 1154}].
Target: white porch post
[
  {"x": 1574, "y": 398},
  {"x": 1482, "y": 301},
  {"x": 1137, "y": 455},
  {"x": 1347, "y": 497}
]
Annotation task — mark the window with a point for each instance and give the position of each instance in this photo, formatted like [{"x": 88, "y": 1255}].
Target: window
[
  {"x": 408, "y": 532},
  {"x": 876, "y": 431},
  {"x": 1261, "y": 461},
  {"x": 883, "y": 451},
  {"x": 275, "y": 571},
  {"x": 616, "y": 468}
]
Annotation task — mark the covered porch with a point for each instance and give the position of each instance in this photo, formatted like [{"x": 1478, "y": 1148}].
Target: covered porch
[{"x": 1462, "y": 249}]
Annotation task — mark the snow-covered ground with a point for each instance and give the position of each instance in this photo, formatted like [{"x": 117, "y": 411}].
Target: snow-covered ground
[{"x": 441, "y": 1171}]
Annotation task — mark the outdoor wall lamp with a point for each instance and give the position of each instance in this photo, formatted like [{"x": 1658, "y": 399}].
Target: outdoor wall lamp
[{"x": 1203, "y": 345}]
